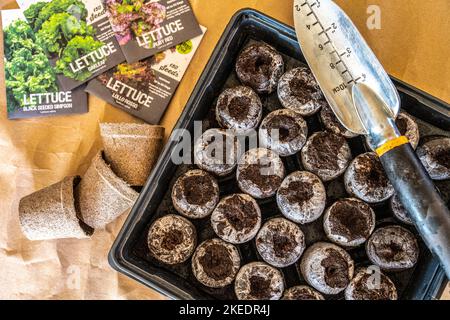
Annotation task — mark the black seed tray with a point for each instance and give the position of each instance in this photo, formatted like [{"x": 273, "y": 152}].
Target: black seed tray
[{"x": 130, "y": 254}]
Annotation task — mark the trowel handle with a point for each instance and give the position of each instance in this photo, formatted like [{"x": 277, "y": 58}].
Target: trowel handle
[{"x": 418, "y": 195}]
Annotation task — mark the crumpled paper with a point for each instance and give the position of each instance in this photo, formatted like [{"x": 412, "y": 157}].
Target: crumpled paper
[{"x": 412, "y": 44}]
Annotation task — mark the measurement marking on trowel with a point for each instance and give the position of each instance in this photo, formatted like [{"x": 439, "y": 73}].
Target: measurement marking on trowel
[
  {"x": 346, "y": 69},
  {"x": 315, "y": 16},
  {"x": 329, "y": 41}
]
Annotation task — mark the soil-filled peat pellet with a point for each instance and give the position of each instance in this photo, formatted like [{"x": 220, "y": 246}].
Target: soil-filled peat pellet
[
  {"x": 326, "y": 154},
  {"x": 102, "y": 196},
  {"x": 301, "y": 197},
  {"x": 280, "y": 242},
  {"x": 327, "y": 267},
  {"x": 302, "y": 293},
  {"x": 237, "y": 218},
  {"x": 365, "y": 179},
  {"x": 195, "y": 194},
  {"x": 172, "y": 239},
  {"x": 393, "y": 248},
  {"x": 371, "y": 284},
  {"x": 260, "y": 173},
  {"x": 238, "y": 109},
  {"x": 349, "y": 222},
  {"x": 434, "y": 153},
  {"x": 217, "y": 151},
  {"x": 50, "y": 213},
  {"x": 132, "y": 149},
  {"x": 259, "y": 281},
  {"x": 299, "y": 91},
  {"x": 260, "y": 66},
  {"x": 215, "y": 263},
  {"x": 283, "y": 131}
]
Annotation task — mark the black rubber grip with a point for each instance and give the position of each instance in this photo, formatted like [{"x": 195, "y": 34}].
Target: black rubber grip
[{"x": 418, "y": 195}]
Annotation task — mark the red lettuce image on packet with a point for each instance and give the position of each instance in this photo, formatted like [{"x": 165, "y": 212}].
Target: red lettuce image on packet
[
  {"x": 130, "y": 18},
  {"x": 146, "y": 27}
]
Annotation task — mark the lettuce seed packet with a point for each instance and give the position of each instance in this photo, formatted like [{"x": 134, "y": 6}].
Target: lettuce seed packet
[
  {"x": 146, "y": 27},
  {"x": 77, "y": 37},
  {"x": 32, "y": 89},
  {"x": 145, "y": 88}
]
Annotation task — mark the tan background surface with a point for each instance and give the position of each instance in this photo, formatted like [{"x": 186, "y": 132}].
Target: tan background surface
[{"x": 413, "y": 45}]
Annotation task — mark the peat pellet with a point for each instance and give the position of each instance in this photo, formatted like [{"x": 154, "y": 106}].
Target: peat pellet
[
  {"x": 283, "y": 131},
  {"x": 327, "y": 267},
  {"x": 365, "y": 179},
  {"x": 195, "y": 194},
  {"x": 259, "y": 281},
  {"x": 299, "y": 91},
  {"x": 260, "y": 173},
  {"x": 349, "y": 222},
  {"x": 260, "y": 66},
  {"x": 50, "y": 213},
  {"x": 215, "y": 263},
  {"x": 326, "y": 154},
  {"x": 370, "y": 284},
  {"x": 217, "y": 151},
  {"x": 434, "y": 153},
  {"x": 132, "y": 149},
  {"x": 238, "y": 109},
  {"x": 102, "y": 195},
  {"x": 237, "y": 218},
  {"x": 172, "y": 239},
  {"x": 280, "y": 242},
  {"x": 301, "y": 197},
  {"x": 393, "y": 248},
  {"x": 302, "y": 293}
]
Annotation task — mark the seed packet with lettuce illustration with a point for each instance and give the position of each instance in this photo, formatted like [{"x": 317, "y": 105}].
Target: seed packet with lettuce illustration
[
  {"x": 145, "y": 88},
  {"x": 32, "y": 89},
  {"x": 77, "y": 37},
  {"x": 146, "y": 27}
]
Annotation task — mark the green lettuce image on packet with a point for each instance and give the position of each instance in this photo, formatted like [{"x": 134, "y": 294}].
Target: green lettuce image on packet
[
  {"x": 77, "y": 37},
  {"x": 145, "y": 88},
  {"x": 32, "y": 89},
  {"x": 146, "y": 27}
]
